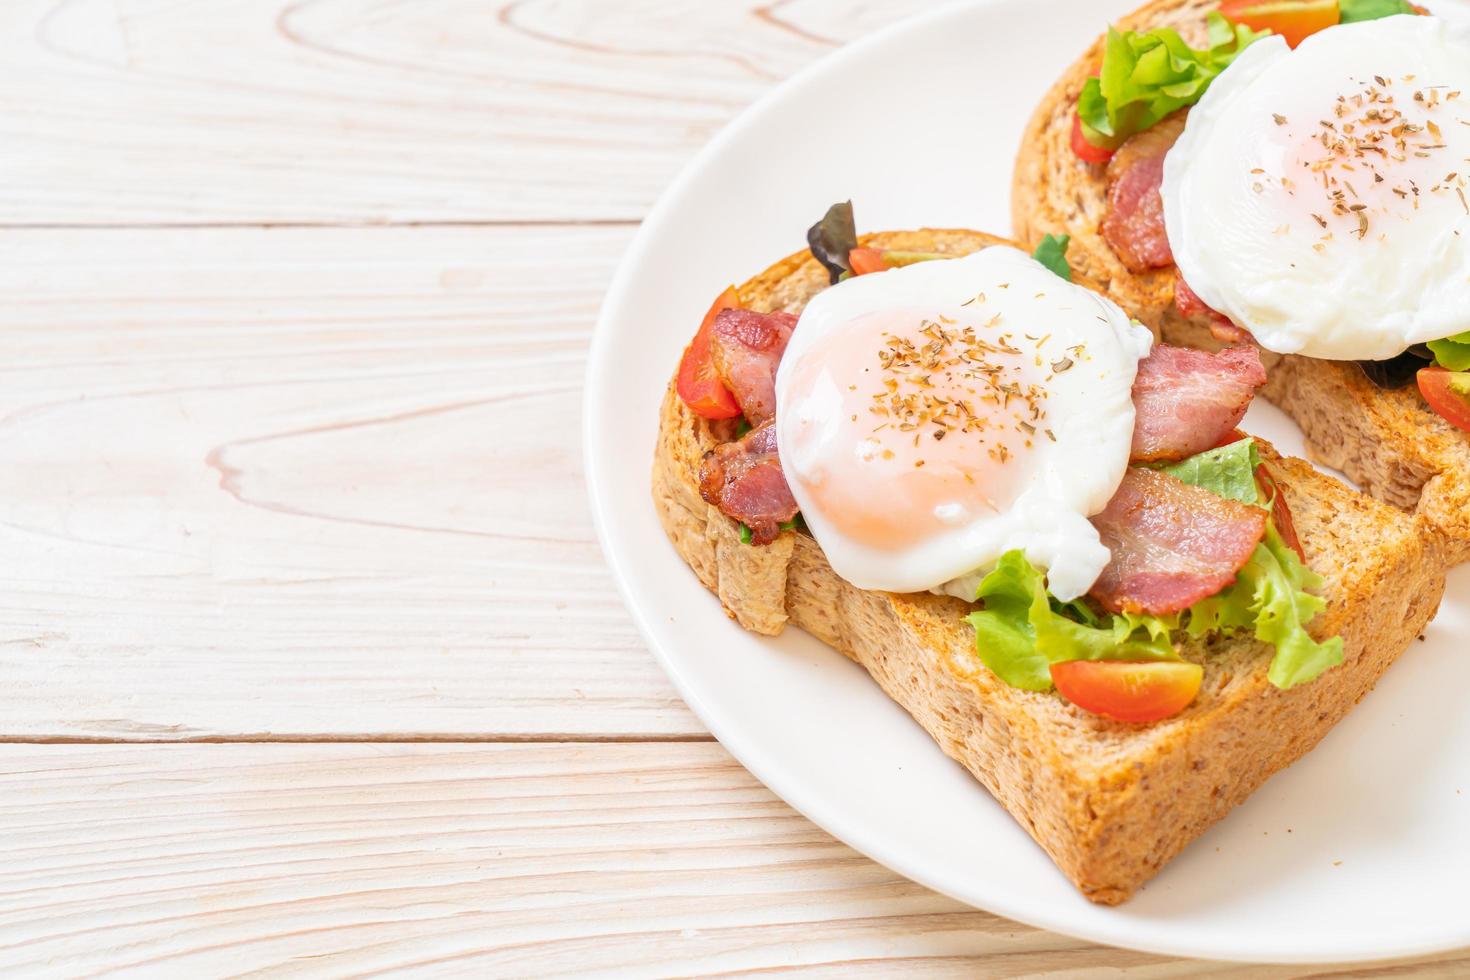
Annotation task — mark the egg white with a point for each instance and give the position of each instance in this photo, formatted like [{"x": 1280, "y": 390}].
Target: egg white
[
  {"x": 1089, "y": 409},
  {"x": 1251, "y": 244}
]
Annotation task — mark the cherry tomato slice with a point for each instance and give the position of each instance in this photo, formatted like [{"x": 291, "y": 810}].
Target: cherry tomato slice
[
  {"x": 1126, "y": 690},
  {"x": 1294, "y": 20},
  {"x": 1448, "y": 393},
  {"x": 1280, "y": 510},
  {"x": 699, "y": 383},
  {"x": 1085, "y": 150},
  {"x": 866, "y": 260}
]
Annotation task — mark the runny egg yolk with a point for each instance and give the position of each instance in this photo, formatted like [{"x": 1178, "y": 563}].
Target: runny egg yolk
[{"x": 915, "y": 423}]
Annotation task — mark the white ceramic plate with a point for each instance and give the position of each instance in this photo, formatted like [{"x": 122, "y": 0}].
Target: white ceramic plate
[{"x": 1359, "y": 851}]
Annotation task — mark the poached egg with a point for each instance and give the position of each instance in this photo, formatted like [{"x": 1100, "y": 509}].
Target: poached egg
[
  {"x": 1320, "y": 197},
  {"x": 933, "y": 417}
]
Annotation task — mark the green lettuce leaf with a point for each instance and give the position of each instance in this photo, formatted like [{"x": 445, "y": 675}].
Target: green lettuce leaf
[
  {"x": 1146, "y": 75},
  {"x": 1283, "y": 606},
  {"x": 1157, "y": 627},
  {"x": 1270, "y": 595},
  {"x": 1059, "y": 638},
  {"x": 1004, "y": 637},
  {"x": 1225, "y": 612},
  {"x": 1355, "y": 10},
  {"x": 1022, "y": 630},
  {"x": 1229, "y": 471},
  {"x": 1452, "y": 353},
  {"x": 1271, "y": 599},
  {"x": 1052, "y": 253}
]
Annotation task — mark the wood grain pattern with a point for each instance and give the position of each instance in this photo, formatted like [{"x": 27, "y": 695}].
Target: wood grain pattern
[
  {"x": 307, "y": 483},
  {"x": 340, "y": 111},
  {"x": 271, "y": 469},
  {"x": 286, "y": 860}
]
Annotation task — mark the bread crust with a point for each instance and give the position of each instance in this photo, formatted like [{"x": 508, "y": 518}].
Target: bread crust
[
  {"x": 1388, "y": 442},
  {"x": 1110, "y": 803}
]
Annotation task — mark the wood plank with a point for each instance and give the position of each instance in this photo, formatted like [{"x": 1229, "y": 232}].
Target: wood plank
[
  {"x": 338, "y": 111},
  {"x": 282, "y": 860},
  {"x": 307, "y": 483}
]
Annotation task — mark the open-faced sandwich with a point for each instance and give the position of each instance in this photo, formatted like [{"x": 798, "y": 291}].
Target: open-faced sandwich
[
  {"x": 1040, "y": 532},
  {"x": 1293, "y": 174}
]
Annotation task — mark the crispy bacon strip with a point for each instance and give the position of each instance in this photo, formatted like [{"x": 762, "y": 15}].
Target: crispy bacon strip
[
  {"x": 744, "y": 480},
  {"x": 1222, "y": 328},
  {"x": 1173, "y": 544},
  {"x": 1186, "y": 401},
  {"x": 747, "y": 348},
  {"x": 1134, "y": 226}
]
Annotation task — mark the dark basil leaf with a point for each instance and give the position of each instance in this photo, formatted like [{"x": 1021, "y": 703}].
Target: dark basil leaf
[
  {"x": 832, "y": 238},
  {"x": 1052, "y": 253},
  {"x": 1397, "y": 372}
]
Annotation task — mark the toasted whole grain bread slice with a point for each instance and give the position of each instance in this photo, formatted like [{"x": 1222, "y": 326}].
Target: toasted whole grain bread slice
[
  {"x": 1390, "y": 443},
  {"x": 1109, "y": 802}
]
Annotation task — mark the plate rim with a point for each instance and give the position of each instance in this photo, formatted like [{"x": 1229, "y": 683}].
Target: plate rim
[{"x": 726, "y": 731}]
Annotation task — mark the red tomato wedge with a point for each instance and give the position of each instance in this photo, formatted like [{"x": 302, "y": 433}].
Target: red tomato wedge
[
  {"x": 1448, "y": 393},
  {"x": 1294, "y": 20},
  {"x": 866, "y": 260},
  {"x": 1128, "y": 691},
  {"x": 1280, "y": 510},
  {"x": 1084, "y": 149},
  {"x": 699, "y": 383}
]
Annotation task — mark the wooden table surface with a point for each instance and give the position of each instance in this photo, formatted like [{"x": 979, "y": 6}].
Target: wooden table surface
[{"x": 311, "y": 662}]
